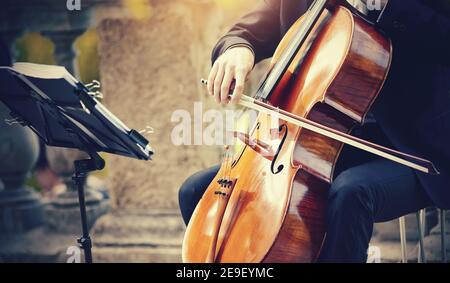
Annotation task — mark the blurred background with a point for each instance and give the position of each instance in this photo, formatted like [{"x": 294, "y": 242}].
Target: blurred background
[{"x": 149, "y": 56}]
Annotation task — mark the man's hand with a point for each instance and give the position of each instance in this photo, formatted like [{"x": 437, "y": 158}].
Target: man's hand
[{"x": 235, "y": 64}]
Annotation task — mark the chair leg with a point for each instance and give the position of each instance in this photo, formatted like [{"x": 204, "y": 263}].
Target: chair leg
[
  {"x": 443, "y": 234},
  {"x": 421, "y": 231},
  {"x": 402, "y": 224}
]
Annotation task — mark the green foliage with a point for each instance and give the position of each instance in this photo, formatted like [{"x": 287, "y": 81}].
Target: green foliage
[
  {"x": 33, "y": 47},
  {"x": 87, "y": 60}
]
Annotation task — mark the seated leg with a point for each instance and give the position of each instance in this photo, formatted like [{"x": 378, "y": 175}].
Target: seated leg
[
  {"x": 377, "y": 191},
  {"x": 192, "y": 191}
]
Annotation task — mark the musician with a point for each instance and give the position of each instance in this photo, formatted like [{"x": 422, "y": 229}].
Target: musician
[{"x": 412, "y": 113}]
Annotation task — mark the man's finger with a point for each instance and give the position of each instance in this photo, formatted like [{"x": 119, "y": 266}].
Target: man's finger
[
  {"x": 218, "y": 82},
  {"x": 225, "y": 88},
  {"x": 239, "y": 86},
  {"x": 211, "y": 78}
]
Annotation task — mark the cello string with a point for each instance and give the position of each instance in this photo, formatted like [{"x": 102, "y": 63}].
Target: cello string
[
  {"x": 230, "y": 152},
  {"x": 227, "y": 157},
  {"x": 312, "y": 16},
  {"x": 224, "y": 171},
  {"x": 226, "y": 165}
]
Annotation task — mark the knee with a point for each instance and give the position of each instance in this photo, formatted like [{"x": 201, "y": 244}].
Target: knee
[
  {"x": 186, "y": 191},
  {"x": 193, "y": 188},
  {"x": 347, "y": 193}
]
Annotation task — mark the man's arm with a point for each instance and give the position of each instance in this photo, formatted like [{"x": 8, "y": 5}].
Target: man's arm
[
  {"x": 259, "y": 30},
  {"x": 253, "y": 38},
  {"x": 426, "y": 27}
]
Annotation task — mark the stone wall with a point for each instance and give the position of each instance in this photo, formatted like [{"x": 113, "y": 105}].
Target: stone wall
[{"x": 148, "y": 70}]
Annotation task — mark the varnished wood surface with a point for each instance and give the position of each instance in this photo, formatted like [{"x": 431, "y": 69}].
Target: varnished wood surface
[
  {"x": 363, "y": 73},
  {"x": 255, "y": 211},
  {"x": 281, "y": 217},
  {"x": 303, "y": 231}
]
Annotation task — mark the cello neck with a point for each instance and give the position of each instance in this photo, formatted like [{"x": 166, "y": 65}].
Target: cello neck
[{"x": 268, "y": 85}]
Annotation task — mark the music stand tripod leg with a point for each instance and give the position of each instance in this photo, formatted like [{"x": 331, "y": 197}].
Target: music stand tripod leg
[{"x": 82, "y": 168}]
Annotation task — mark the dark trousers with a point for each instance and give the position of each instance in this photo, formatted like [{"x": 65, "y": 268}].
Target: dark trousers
[{"x": 375, "y": 191}]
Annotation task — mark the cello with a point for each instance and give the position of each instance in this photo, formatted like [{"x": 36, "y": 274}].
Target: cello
[{"x": 267, "y": 202}]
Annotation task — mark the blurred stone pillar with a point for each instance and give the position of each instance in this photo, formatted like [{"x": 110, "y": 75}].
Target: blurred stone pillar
[
  {"x": 64, "y": 53},
  {"x": 52, "y": 19},
  {"x": 20, "y": 208},
  {"x": 63, "y": 213},
  {"x": 149, "y": 69}
]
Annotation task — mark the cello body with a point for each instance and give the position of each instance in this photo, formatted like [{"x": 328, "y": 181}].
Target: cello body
[{"x": 273, "y": 207}]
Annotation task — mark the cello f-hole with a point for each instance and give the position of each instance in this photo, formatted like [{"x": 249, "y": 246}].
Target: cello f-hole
[{"x": 275, "y": 158}]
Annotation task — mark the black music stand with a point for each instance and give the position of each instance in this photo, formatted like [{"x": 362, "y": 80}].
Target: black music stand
[{"x": 65, "y": 113}]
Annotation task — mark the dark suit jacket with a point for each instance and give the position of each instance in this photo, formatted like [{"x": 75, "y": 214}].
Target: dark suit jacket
[
  {"x": 5, "y": 58},
  {"x": 413, "y": 109}
]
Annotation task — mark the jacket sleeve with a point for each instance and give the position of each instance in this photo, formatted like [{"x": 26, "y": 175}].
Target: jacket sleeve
[
  {"x": 420, "y": 23},
  {"x": 259, "y": 30},
  {"x": 5, "y": 58}
]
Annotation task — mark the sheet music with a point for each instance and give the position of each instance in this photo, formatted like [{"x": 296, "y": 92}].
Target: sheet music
[{"x": 54, "y": 86}]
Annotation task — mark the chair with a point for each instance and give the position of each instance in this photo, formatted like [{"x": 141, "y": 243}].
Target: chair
[
  {"x": 443, "y": 235},
  {"x": 421, "y": 224}
]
